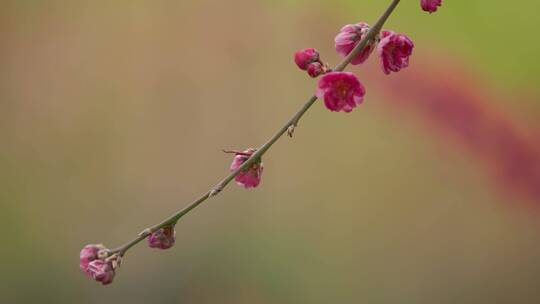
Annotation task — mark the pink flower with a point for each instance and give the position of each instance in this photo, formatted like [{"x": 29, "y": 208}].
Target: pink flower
[
  {"x": 88, "y": 254},
  {"x": 349, "y": 36},
  {"x": 101, "y": 271},
  {"x": 394, "y": 50},
  {"x": 430, "y": 5},
  {"x": 305, "y": 57},
  {"x": 250, "y": 177},
  {"x": 341, "y": 91},
  {"x": 163, "y": 238},
  {"x": 315, "y": 69}
]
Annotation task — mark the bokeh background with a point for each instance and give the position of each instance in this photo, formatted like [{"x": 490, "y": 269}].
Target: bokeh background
[{"x": 113, "y": 115}]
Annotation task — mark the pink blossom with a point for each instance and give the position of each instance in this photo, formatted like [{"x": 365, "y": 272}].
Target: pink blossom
[
  {"x": 88, "y": 254},
  {"x": 394, "y": 50},
  {"x": 315, "y": 69},
  {"x": 349, "y": 36},
  {"x": 163, "y": 238},
  {"x": 101, "y": 271},
  {"x": 305, "y": 57},
  {"x": 250, "y": 177},
  {"x": 341, "y": 91},
  {"x": 430, "y": 5}
]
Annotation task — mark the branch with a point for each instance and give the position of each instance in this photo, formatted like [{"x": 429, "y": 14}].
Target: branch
[{"x": 288, "y": 127}]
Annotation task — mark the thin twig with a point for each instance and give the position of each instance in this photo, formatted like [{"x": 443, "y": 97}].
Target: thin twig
[{"x": 287, "y": 127}]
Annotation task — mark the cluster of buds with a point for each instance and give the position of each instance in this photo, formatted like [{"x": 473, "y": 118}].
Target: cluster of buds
[
  {"x": 342, "y": 91},
  {"x": 309, "y": 60},
  {"x": 96, "y": 261}
]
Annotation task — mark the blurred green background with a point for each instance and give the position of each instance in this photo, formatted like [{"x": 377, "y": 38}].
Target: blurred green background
[{"x": 113, "y": 115}]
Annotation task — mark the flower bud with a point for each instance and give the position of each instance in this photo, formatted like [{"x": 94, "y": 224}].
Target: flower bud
[
  {"x": 163, "y": 238},
  {"x": 347, "y": 39},
  {"x": 90, "y": 253},
  {"x": 305, "y": 57},
  {"x": 250, "y": 177},
  {"x": 101, "y": 271},
  {"x": 315, "y": 69},
  {"x": 430, "y": 6}
]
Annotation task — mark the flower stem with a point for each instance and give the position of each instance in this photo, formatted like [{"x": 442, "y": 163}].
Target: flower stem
[{"x": 288, "y": 127}]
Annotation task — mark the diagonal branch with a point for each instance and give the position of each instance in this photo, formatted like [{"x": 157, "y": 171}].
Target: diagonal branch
[{"x": 288, "y": 127}]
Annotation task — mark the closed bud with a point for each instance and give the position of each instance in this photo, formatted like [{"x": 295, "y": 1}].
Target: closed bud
[
  {"x": 306, "y": 56},
  {"x": 90, "y": 253},
  {"x": 315, "y": 69},
  {"x": 251, "y": 176},
  {"x": 101, "y": 271},
  {"x": 430, "y": 6},
  {"x": 163, "y": 238}
]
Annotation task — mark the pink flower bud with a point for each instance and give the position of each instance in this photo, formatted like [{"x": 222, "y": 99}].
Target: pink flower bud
[
  {"x": 305, "y": 57},
  {"x": 90, "y": 253},
  {"x": 315, "y": 69},
  {"x": 430, "y": 5},
  {"x": 341, "y": 91},
  {"x": 349, "y": 36},
  {"x": 163, "y": 238},
  {"x": 101, "y": 271},
  {"x": 394, "y": 51},
  {"x": 250, "y": 177}
]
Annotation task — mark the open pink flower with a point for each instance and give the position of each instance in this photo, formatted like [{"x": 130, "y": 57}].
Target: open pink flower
[
  {"x": 349, "y": 36},
  {"x": 250, "y": 177},
  {"x": 306, "y": 56},
  {"x": 101, "y": 271},
  {"x": 88, "y": 254},
  {"x": 430, "y": 5},
  {"x": 341, "y": 91},
  {"x": 163, "y": 238},
  {"x": 394, "y": 50}
]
